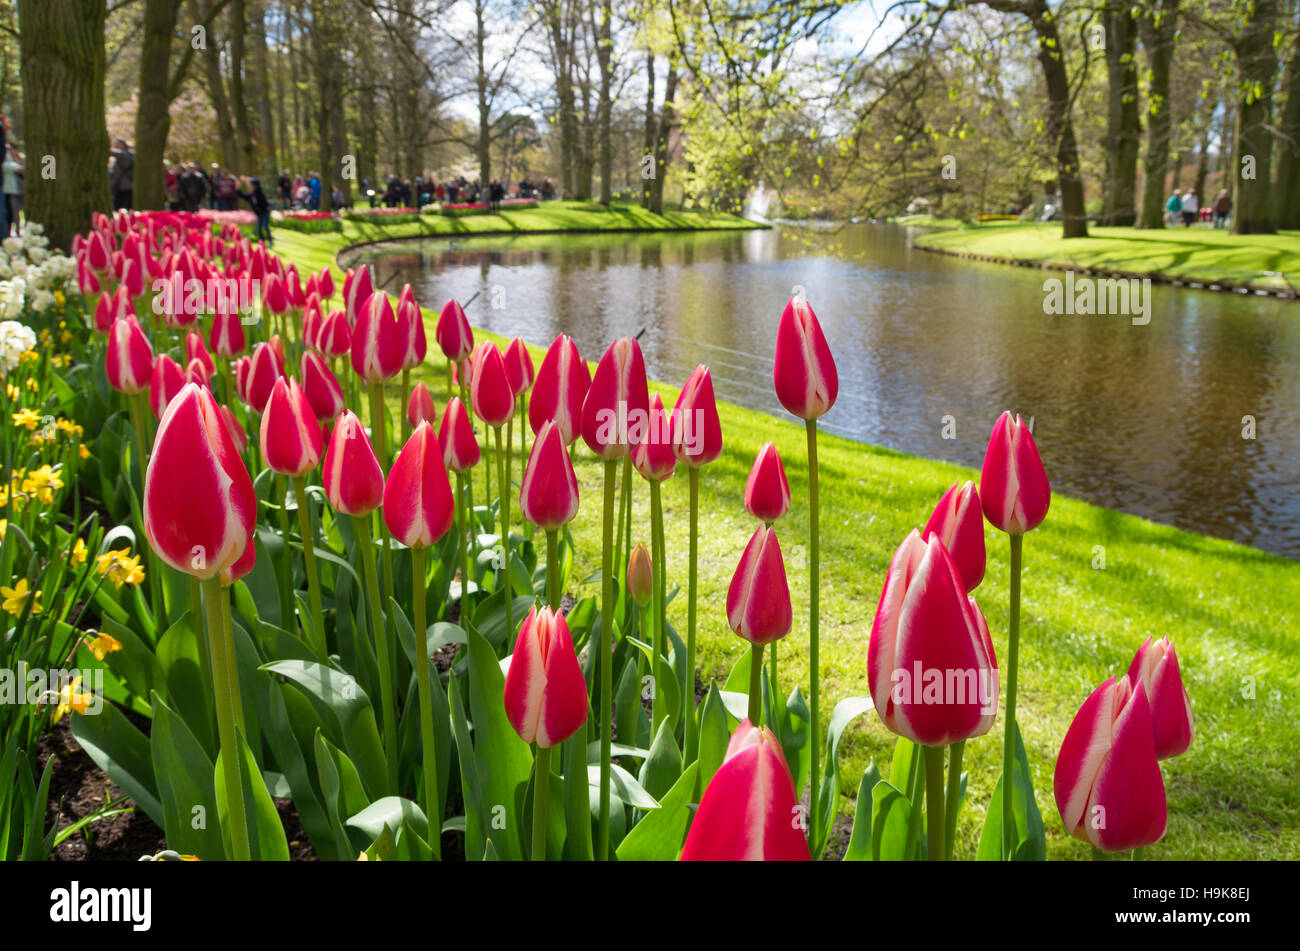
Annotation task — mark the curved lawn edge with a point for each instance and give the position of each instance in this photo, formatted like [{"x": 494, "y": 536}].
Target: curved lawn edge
[{"x": 1231, "y": 609}]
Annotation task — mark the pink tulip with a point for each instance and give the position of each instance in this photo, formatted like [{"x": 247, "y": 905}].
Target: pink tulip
[
  {"x": 519, "y": 366},
  {"x": 697, "y": 433},
  {"x": 275, "y": 294},
  {"x": 1156, "y": 667},
  {"x": 133, "y": 278},
  {"x": 803, "y": 371},
  {"x": 958, "y": 521},
  {"x": 87, "y": 282},
  {"x": 97, "y": 252},
  {"x": 653, "y": 456},
  {"x": 241, "y": 366},
  {"x": 767, "y": 493},
  {"x": 236, "y": 431},
  {"x": 290, "y": 436},
  {"x": 377, "y": 344},
  {"x": 227, "y": 335},
  {"x": 104, "y": 315},
  {"x": 357, "y": 290},
  {"x": 277, "y": 349},
  {"x": 196, "y": 372},
  {"x": 746, "y": 812},
  {"x": 195, "y": 350},
  {"x": 325, "y": 282},
  {"x": 242, "y": 566},
  {"x": 421, "y": 407},
  {"x": 1107, "y": 781},
  {"x": 128, "y": 359},
  {"x": 545, "y": 693},
  {"x": 263, "y": 370},
  {"x": 560, "y": 389},
  {"x": 490, "y": 393},
  {"x": 322, "y": 389},
  {"x": 354, "y": 483},
  {"x": 199, "y": 508},
  {"x": 334, "y": 339},
  {"x": 930, "y": 661},
  {"x": 549, "y": 494},
  {"x": 1013, "y": 484},
  {"x": 412, "y": 323},
  {"x": 455, "y": 338},
  {"x": 617, "y": 399},
  {"x": 165, "y": 381},
  {"x": 418, "y": 506},
  {"x": 456, "y": 437},
  {"x": 758, "y": 600},
  {"x": 312, "y": 318}
]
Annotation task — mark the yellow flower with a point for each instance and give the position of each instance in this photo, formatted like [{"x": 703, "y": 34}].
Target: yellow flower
[
  {"x": 28, "y": 418},
  {"x": 13, "y": 391},
  {"x": 62, "y": 359},
  {"x": 101, "y": 645},
  {"x": 42, "y": 483},
  {"x": 65, "y": 337},
  {"x": 120, "y": 567},
  {"x": 71, "y": 698},
  {"x": 77, "y": 557},
  {"x": 60, "y": 300},
  {"x": 30, "y": 356},
  {"x": 4, "y": 527},
  {"x": 82, "y": 451},
  {"x": 15, "y": 598},
  {"x": 32, "y": 384}
]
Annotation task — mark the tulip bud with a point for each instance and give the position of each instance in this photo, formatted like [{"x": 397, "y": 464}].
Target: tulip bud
[
  {"x": 133, "y": 278},
  {"x": 560, "y": 389},
  {"x": 1107, "y": 781},
  {"x": 242, "y": 566},
  {"x": 165, "y": 381},
  {"x": 275, "y": 295},
  {"x": 354, "y": 483},
  {"x": 758, "y": 600},
  {"x": 104, "y": 315},
  {"x": 227, "y": 335},
  {"x": 312, "y": 318},
  {"x": 930, "y": 661},
  {"x": 804, "y": 370},
  {"x": 263, "y": 370},
  {"x": 325, "y": 282},
  {"x": 697, "y": 433},
  {"x": 767, "y": 493},
  {"x": 958, "y": 521},
  {"x": 640, "y": 575},
  {"x": 277, "y": 348},
  {"x": 545, "y": 693},
  {"x": 549, "y": 494},
  {"x": 1156, "y": 667},
  {"x": 195, "y": 350},
  {"x": 418, "y": 506},
  {"x": 196, "y": 372},
  {"x": 199, "y": 508},
  {"x": 653, "y": 456},
  {"x": 357, "y": 290},
  {"x": 617, "y": 401},
  {"x": 421, "y": 407},
  {"x": 334, "y": 339},
  {"x": 456, "y": 437},
  {"x": 290, "y": 436},
  {"x": 453, "y": 333},
  {"x": 241, "y": 378},
  {"x": 519, "y": 366},
  {"x": 746, "y": 811},
  {"x": 236, "y": 431},
  {"x": 411, "y": 322},
  {"x": 377, "y": 344},
  {"x": 322, "y": 389},
  {"x": 490, "y": 392},
  {"x": 1013, "y": 484},
  {"x": 128, "y": 360}
]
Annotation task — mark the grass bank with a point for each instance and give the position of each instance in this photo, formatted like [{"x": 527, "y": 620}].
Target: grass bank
[
  {"x": 1198, "y": 255},
  {"x": 1233, "y": 612}
]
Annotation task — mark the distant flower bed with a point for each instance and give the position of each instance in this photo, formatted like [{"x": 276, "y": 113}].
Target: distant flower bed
[
  {"x": 388, "y": 215},
  {"x": 227, "y": 217},
  {"x": 461, "y": 209},
  {"x": 306, "y": 222}
]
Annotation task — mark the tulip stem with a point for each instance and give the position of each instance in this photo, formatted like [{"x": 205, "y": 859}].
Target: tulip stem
[
  {"x": 624, "y": 513},
  {"x": 541, "y": 784},
  {"x": 406, "y": 399},
  {"x": 523, "y": 446},
  {"x": 691, "y": 736},
  {"x": 313, "y": 576},
  {"x": 387, "y": 672},
  {"x": 657, "y": 632},
  {"x": 136, "y": 404},
  {"x": 1009, "y": 728},
  {"x": 553, "y": 569},
  {"x": 915, "y": 790},
  {"x": 466, "y": 536},
  {"x": 225, "y": 686},
  {"x": 756, "y": 684},
  {"x": 429, "y": 752},
  {"x": 934, "y": 822},
  {"x": 814, "y": 623},
  {"x": 955, "y": 752},
  {"x": 449, "y": 378},
  {"x": 606, "y": 658},
  {"x": 289, "y": 603},
  {"x": 503, "y": 469}
]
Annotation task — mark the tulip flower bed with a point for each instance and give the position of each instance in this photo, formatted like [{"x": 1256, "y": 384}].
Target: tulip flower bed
[
  {"x": 403, "y": 589},
  {"x": 306, "y": 222}
]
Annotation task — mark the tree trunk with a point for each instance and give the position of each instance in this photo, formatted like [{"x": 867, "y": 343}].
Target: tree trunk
[
  {"x": 604, "y": 56},
  {"x": 238, "y": 100},
  {"x": 63, "y": 65},
  {"x": 216, "y": 91},
  {"x": 1203, "y": 161},
  {"x": 667, "y": 119},
  {"x": 650, "y": 125},
  {"x": 1158, "y": 26},
  {"x": 1288, "y": 157},
  {"x": 484, "y": 104},
  {"x": 262, "y": 85},
  {"x": 1059, "y": 125},
  {"x": 152, "y": 116},
  {"x": 1253, "y": 202},
  {"x": 1123, "y": 126}
]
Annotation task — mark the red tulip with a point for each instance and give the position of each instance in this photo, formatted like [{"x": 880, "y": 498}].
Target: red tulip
[
  {"x": 128, "y": 360},
  {"x": 519, "y": 366},
  {"x": 227, "y": 335},
  {"x": 377, "y": 344},
  {"x": 277, "y": 348},
  {"x": 421, "y": 407},
  {"x": 930, "y": 661},
  {"x": 122, "y": 305},
  {"x": 195, "y": 350},
  {"x": 453, "y": 333},
  {"x": 87, "y": 282},
  {"x": 325, "y": 281},
  {"x": 357, "y": 289},
  {"x": 549, "y": 494},
  {"x": 242, "y": 566},
  {"x": 263, "y": 371},
  {"x": 1156, "y": 667},
  {"x": 804, "y": 370},
  {"x": 196, "y": 372},
  {"x": 1107, "y": 781},
  {"x": 697, "y": 432},
  {"x": 236, "y": 431},
  {"x": 275, "y": 294},
  {"x": 104, "y": 315},
  {"x": 354, "y": 483},
  {"x": 133, "y": 278},
  {"x": 490, "y": 393},
  {"x": 312, "y": 318},
  {"x": 199, "y": 508},
  {"x": 560, "y": 389},
  {"x": 758, "y": 600},
  {"x": 456, "y": 436},
  {"x": 1013, "y": 484},
  {"x": 617, "y": 401},
  {"x": 545, "y": 693},
  {"x": 767, "y": 493},
  {"x": 241, "y": 378},
  {"x": 653, "y": 456},
  {"x": 334, "y": 339},
  {"x": 748, "y": 810},
  {"x": 958, "y": 521},
  {"x": 97, "y": 252},
  {"x": 412, "y": 323},
  {"x": 322, "y": 389},
  {"x": 290, "y": 436},
  {"x": 165, "y": 381},
  {"x": 418, "y": 506}
]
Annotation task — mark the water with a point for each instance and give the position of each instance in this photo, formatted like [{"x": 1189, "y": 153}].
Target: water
[{"x": 1144, "y": 419}]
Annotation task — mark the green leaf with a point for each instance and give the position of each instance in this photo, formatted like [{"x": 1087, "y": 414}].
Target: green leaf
[
  {"x": 121, "y": 751},
  {"x": 266, "y": 835},
  {"x": 393, "y": 812},
  {"x": 1030, "y": 837},
  {"x": 341, "y": 792},
  {"x": 188, "y": 691},
  {"x": 714, "y": 738},
  {"x": 185, "y": 784},
  {"x": 860, "y": 846},
  {"x": 665, "y": 684},
  {"x": 577, "y": 812},
  {"x": 660, "y": 834},
  {"x": 846, "y": 711},
  {"x": 890, "y": 810},
  {"x": 663, "y": 767},
  {"x": 622, "y": 787}
]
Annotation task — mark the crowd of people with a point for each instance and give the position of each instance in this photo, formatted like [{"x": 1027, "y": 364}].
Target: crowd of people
[
  {"x": 420, "y": 191},
  {"x": 1186, "y": 208}
]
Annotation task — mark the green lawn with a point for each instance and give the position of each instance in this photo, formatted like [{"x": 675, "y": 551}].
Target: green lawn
[
  {"x": 1199, "y": 254},
  {"x": 1233, "y": 612}
]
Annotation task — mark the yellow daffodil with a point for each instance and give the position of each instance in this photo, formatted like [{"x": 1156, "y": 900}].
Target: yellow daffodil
[
  {"x": 82, "y": 451},
  {"x": 27, "y": 418},
  {"x": 4, "y": 527},
  {"x": 33, "y": 385},
  {"x": 71, "y": 698},
  {"x": 101, "y": 645},
  {"x": 60, "y": 299},
  {"x": 13, "y": 391},
  {"x": 120, "y": 566},
  {"x": 15, "y": 598},
  {"x": 42, "y": 483},
  {"x": 77, "y": 556},
  {"x": 30, "y": 356}
]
